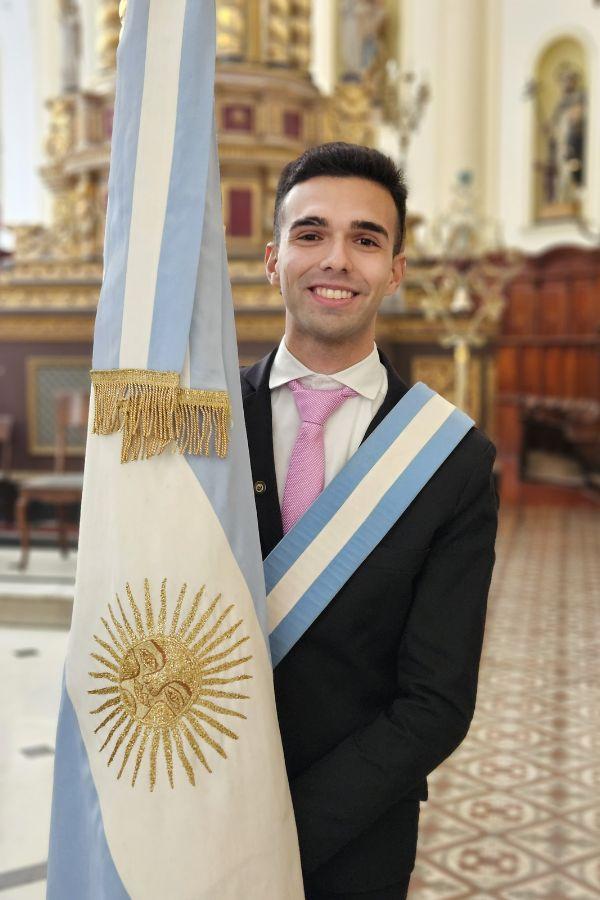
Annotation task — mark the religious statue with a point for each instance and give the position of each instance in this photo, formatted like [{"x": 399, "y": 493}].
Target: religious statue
[
  {"x": 361, "y": 22},
  {"x": 563, "y": 138},
  {"x": 70, "y": 50},
  {"x": 565, "y": 132}
]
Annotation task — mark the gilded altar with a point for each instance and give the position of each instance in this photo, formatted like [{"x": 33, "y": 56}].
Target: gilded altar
[{"x": 268, "y": 110}]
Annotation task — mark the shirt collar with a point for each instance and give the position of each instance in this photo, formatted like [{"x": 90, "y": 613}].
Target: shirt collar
[{"x": 364, "y": 377}]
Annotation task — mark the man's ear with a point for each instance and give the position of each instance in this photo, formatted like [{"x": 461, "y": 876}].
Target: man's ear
[
  {"x": 271, "y": 263},
  {"x": 398, "y": 272}
]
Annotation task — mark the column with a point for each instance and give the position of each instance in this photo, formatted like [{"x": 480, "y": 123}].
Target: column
[
  {"x": 300, "y": 28},
  {"x": 108, "y": 30},
  {"x": 232, "y": 30},
  {"x": 278, "y": 33}
]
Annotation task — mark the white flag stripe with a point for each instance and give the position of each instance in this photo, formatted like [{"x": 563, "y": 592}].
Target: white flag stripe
[
  {"x": 350, "y": 516},
  {"x": 153, "y": 168}
]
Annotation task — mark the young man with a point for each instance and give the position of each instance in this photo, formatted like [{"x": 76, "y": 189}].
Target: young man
[{"x": 381, "y": 687}]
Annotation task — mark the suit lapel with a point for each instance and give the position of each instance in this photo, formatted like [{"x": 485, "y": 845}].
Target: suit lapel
[
  {"x": 396, "y": 389},
  {"x": 259, "y": 427}
]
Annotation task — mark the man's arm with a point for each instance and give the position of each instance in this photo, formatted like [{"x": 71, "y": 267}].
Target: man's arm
[{"x": 342, "y": 794}]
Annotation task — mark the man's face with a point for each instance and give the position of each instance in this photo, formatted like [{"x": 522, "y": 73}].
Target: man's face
[{"x": 337, "y": 235}]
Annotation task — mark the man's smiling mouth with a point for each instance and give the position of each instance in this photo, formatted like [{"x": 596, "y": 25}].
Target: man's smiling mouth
[{"x": 328, "y": 293}]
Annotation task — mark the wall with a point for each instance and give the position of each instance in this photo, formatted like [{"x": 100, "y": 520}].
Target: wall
[
  {"x": 525, "y": 29},
  {"x": 20, "y": 187},
  {"x": 443, "y": 42},
  {"x": 29, "y": 76},
  {"x": 477, "y": 58}
]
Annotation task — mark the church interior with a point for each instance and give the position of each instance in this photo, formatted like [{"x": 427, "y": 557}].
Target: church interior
[{"x": 492, "y": 110}]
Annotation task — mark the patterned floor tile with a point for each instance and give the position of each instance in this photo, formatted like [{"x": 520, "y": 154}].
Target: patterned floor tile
[
  {"x": 488, "y": 863},
  {"x": 587, "y": 818},
  {"x": 556, "y": 794},
  {"x": 559, "y": 756},
  {"x": 556, "y": 840},
  {"x": 588, "y": 872},
  {"x": 501, "y": 770},
  {"x": 505, "y": 736},
  {"x": 588, "y": 741},
  {"x": 441, "y": 830},
  {"x": 552, "y": 887},
  {"x": 450, "y": 785},
  {"x": 588, "y": 775},
  {"x": 563, "y": 724},
  {"x": 496, "y": 812},
  {"x": 430, "y": 883},
  {"x": 512, "y": 706}
]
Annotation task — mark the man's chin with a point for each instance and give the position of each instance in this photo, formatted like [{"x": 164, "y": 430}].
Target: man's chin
[{"x": 330, "y": 329}]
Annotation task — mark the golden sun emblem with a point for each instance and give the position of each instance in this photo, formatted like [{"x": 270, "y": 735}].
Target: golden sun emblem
[{"x": 165, "y": 680}]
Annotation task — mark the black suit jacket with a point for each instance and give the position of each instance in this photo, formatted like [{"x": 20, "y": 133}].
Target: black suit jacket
[{"x": 381, "y": 688}]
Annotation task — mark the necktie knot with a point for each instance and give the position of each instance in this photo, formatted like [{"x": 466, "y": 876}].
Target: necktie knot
[{"x": 315, "y": 405}]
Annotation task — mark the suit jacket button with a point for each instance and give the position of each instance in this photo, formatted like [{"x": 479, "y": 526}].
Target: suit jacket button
[{"x": 259, "y": 487}]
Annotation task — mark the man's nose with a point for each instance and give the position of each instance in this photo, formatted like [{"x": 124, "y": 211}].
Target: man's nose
[{"x": 337, "y": 257}]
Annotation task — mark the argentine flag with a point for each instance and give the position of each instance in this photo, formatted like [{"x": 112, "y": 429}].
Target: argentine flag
[{"x": 169, "y": 776}]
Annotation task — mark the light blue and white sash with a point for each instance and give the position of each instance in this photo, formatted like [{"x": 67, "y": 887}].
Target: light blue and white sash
[{"x": 318, "y": 555}]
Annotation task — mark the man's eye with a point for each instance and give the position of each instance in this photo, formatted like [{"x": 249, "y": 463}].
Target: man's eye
[
  {"x": 309, "y": 236},
  {"x": 369, "y": 242}
]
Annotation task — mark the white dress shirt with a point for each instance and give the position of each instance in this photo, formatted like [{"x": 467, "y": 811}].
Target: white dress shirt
[{"x": 344, "y": 429}]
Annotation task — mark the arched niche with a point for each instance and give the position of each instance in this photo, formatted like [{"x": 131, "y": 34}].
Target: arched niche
[{"x": 559, "y": 90}]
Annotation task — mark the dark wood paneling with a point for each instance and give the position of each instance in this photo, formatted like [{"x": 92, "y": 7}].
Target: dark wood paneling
[
  {"x": 520, "y": 315},
  {"x": 553, "y": 381},
  {"x": 530, "y": 371},
  {"x": 508, "y": 369},
  {"x": 553, "y": 309},
  {"x": 550, "y": 339}
]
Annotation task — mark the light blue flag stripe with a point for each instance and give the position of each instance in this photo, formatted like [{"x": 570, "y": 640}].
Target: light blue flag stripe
[
  {"x": 226, "y": 482},
  {"x": 395, "y": 501},
  {"x": 206, "y": 362},
  {"x": 293, "y": 544},
  {"x": 183, "y": 226},
  {"x": 131, "y": 55},
  {"x": 79, "y": 861}
]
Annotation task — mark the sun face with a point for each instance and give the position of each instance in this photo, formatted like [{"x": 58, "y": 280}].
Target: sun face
[{"x": 164, "y": 681}]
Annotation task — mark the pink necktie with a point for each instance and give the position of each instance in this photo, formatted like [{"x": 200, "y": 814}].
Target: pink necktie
[{"x": 306, "y": 474}]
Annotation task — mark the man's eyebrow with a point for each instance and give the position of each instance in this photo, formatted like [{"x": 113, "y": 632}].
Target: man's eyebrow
[
  {"x": 366, "y": 225},
  {"x": 308, "y": 220},
  {"x": 356, "y": 225}
]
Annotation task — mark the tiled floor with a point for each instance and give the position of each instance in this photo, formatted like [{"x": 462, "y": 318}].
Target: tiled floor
[
  {"x": 515, "y": 812},
  {"x": 31, "y": 662},
  {"x": 42, "y": 594}
]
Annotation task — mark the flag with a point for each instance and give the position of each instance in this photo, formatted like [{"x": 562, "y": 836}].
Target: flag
[{"x": 169, "y": 774}]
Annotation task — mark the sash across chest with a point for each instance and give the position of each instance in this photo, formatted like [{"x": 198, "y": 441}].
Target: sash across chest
[{"x": 313, "y": 561}]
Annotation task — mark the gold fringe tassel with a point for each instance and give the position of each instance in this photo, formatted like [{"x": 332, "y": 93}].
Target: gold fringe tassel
[{"x": 154, "y": 412}]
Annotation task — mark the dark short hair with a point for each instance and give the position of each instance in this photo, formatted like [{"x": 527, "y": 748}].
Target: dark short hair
[{"x": 340, "y": 160}]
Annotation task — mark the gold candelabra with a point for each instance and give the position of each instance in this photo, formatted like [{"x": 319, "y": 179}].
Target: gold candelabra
[{"x": 463, "y": 270}]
